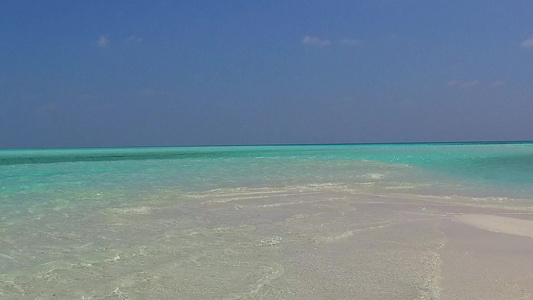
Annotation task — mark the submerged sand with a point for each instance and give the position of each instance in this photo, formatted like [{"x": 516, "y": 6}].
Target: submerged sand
[{"x": 288, "y": 243}]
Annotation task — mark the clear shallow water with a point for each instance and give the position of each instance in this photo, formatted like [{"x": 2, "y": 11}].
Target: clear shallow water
[
  {"x": 69, "y": 217},
  {"x": 496, "y": 169}
]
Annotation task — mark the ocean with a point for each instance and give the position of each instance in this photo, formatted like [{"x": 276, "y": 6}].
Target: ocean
[{"x": 133, "y": 223}]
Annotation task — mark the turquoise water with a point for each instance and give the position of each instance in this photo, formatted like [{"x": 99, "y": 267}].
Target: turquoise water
[
  {"x": 68, "y": 178},
  {"x": 119, "y": 223},
  {"x": 504, "y": 169}
]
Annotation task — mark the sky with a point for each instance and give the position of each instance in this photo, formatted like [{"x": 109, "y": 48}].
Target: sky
[{"x": 179, "y": 73}]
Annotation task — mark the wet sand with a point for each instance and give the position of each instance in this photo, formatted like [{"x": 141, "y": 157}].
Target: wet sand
[{"x": 278, "y": 244}]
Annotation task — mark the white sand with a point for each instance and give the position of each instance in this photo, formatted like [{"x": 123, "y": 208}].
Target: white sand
[
  {"x": 498, "y": 224},
  {"x": 278, "y": 244}
]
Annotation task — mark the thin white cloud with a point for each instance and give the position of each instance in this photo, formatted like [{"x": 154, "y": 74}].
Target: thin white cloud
[
  {"x": 315, "y": 41},
  {"x": 497, "y": 83},
  {"x": 453, "y": 83},
  {"x": 528, "y": 43},
  {"x": 351, "y": 42},
  {"x": 463, "y": 84},
  {"x": 470, "y": 83},
  {"x": 149, "y": 92},
  {"x": 134, "y": 39},
  {"x": 103, "y": 41},
  {"x": 47, "y": 109}
]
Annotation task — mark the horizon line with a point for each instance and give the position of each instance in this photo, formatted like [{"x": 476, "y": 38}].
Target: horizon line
[{"x": 282, "y": 144}]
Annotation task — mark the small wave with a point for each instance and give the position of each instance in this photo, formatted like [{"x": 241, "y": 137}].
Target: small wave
[
  {"x": 140, "y": 210},
  {"x": 373, "y": 175}
]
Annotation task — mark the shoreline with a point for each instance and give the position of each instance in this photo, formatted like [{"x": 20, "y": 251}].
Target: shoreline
[{"x": 313, "y": 243}]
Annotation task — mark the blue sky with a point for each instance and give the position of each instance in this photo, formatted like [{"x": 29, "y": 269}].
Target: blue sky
[{"x": 172, "y": 73}]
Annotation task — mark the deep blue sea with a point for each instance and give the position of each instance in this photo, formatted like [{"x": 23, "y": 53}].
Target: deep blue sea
[{"x": 65, "y": 213}]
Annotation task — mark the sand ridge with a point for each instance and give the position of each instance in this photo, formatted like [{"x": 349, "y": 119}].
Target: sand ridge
[{"x": 498, "y": 224}]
